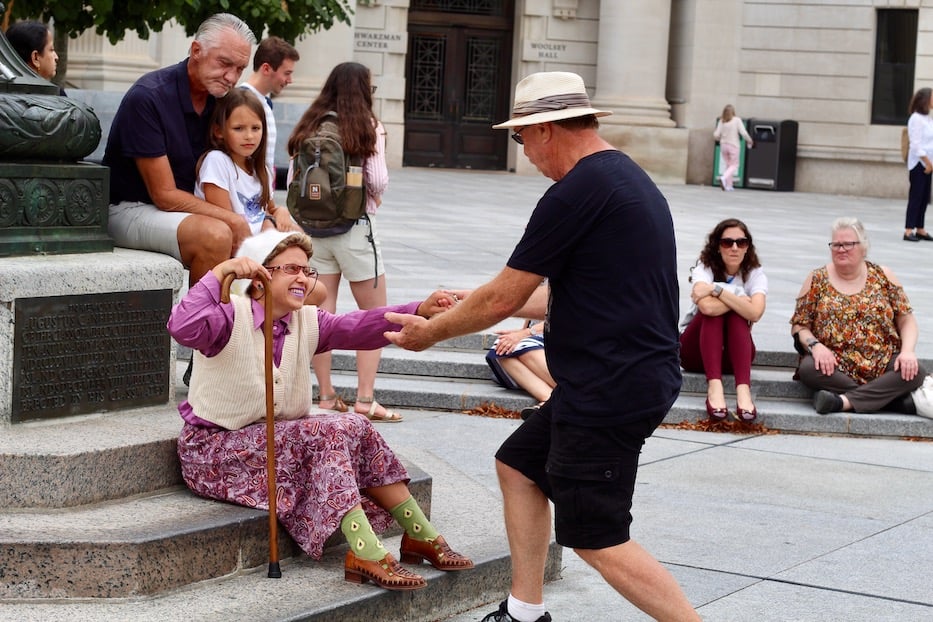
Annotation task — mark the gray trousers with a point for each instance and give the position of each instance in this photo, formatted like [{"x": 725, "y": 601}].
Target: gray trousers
[{"x": 869, "y": 397}]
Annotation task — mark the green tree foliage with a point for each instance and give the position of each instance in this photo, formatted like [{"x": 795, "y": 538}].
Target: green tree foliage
[{"x": 289, "y": 19}]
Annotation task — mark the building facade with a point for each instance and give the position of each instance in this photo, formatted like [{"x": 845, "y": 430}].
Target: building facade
[{"x": 844, "y": 70}]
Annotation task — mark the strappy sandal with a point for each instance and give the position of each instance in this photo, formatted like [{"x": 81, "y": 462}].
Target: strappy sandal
[
  {"x": 389, "y": 417},
  {"x": 339, "y": 405}
]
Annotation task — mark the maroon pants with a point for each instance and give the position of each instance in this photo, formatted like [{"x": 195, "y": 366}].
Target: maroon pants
[{"x": 717, "y": 344}]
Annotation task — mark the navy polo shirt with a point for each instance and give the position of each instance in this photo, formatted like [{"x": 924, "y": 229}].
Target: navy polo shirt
[{"x": 156, "y": 118}]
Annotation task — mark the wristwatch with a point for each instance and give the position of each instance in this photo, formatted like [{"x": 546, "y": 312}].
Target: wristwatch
[
  {"x": 717, "y": 289},
  {"x": 812, "y": 341}
]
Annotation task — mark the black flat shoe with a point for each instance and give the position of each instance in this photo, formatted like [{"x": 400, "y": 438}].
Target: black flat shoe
[
  {"x": 924, "y": 236},
  {"x": 911, "y": 237}
]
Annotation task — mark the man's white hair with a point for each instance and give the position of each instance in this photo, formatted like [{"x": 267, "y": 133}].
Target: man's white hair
[{"x": 208, "y": 34}]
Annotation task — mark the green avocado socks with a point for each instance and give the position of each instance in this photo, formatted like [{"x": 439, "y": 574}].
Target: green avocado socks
[
  {"x": 360, "y": 535},
  {"x": 412, "y": 519}
]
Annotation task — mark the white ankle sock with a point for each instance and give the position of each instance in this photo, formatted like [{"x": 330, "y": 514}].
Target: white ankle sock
[{"x": 525, "y": 612}]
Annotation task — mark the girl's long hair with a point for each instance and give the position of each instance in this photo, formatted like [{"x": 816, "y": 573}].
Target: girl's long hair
[
  {"x": 348, "y": 92},
  {"x": 710, "y": 255},
  {"x": 215, "y": 141},
  {"x": 727, "y": 113}
]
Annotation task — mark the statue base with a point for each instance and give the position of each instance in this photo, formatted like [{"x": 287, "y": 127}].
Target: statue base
[
  {"x": 53, "y": 208},
  {"x": 85, "y": 333}
]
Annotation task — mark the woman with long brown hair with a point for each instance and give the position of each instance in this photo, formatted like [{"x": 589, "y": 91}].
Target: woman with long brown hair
[
  {"x": 728, "y": 294},
  {"x": 355, "y": 254}
]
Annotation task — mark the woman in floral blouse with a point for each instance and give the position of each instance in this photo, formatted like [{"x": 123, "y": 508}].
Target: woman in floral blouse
[{"x": 856, "y": 331}]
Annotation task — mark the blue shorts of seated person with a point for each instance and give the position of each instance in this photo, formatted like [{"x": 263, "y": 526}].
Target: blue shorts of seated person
[
  {"x": 527, "y": 344},
  {"x": 588, "y": 473}
]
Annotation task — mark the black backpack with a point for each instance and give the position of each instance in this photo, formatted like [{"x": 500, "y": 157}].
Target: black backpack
[{"x": 319, "y": 198}]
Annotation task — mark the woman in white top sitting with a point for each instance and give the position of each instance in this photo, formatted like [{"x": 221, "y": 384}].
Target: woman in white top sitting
[
  {"x": 728, "y": 294},
  {"x": 727, "y": 133}
]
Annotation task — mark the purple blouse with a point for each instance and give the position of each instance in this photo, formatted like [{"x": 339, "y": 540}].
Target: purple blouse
[{"x": 201, "y": 322}]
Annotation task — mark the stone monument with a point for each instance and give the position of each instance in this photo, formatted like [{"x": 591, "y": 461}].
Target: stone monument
[{"x": 82, "y": 325}]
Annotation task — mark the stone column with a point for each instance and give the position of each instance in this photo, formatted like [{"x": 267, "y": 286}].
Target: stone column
[
  {"x": 631, "y": 77},
  {"x": 631, "y": 71}
]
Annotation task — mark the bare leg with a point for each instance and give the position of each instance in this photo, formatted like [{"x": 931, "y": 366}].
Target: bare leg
[
  {"x": 526, "y": 378},
  {"x": 743, "y": 396},
  {"x": 203, "y": 242},
  {"x": 528, "y": 526},
  {"x": 388, "y": 496},
  {"x": 367, "y": 361},
  {"x": 642, "y": 580},
  {"x": 322, "y": 362},
  {"x": 716, "y": 393}
]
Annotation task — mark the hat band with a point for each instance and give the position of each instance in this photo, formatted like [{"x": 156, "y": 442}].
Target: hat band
[{"x": 554, "y": 102}]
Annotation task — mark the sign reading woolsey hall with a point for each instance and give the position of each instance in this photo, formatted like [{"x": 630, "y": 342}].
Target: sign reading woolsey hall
[{"x": 90, "y": 353}]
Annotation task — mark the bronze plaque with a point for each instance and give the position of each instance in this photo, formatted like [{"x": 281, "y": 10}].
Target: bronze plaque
[{"x": 81, "y": 354}]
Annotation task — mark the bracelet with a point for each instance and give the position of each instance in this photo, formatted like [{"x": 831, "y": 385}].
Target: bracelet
[{"x": 271, "y": 219}]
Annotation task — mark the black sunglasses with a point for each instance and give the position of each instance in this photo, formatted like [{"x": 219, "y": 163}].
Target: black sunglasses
[
  {"x": 517, "y": 136},
  {"x": 728, "y": 242}
]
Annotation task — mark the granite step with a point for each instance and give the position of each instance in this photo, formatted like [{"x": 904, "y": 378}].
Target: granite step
[
  {"x": 142, "y": 545},
  {"x": 308, "y": 589},
  {"x": 455, "y": 377}
]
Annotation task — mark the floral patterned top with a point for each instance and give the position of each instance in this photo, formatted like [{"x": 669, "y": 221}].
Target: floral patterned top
[{"x": 860, "y": 329}]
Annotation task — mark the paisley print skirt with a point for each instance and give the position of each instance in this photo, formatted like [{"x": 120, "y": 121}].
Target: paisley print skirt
[{"x": 322, "y": 463}]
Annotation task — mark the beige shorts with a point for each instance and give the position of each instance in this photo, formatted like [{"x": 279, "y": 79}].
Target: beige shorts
[
  {"x": 356, "y": 254},
  {"x": 145, "y": 227}
]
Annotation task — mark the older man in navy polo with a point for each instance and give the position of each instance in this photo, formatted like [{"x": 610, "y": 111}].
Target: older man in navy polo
[{"x": 159, "y": 132}]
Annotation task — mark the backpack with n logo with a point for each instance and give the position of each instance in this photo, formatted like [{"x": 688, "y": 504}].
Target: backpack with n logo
[{"x": 319, "y": 197}]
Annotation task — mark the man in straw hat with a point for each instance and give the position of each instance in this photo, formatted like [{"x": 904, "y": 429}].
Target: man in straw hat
[{"x": 603, "y": 236}]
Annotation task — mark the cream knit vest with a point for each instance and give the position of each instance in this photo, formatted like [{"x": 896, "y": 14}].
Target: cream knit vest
[{"x": 215, "y": 397}]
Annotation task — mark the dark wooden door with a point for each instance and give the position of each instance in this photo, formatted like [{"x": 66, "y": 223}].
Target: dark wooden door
[{"x": 457, "y": 88}]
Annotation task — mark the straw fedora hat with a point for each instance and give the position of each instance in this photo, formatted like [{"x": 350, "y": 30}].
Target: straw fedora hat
[{"x": 550, "y": 96}]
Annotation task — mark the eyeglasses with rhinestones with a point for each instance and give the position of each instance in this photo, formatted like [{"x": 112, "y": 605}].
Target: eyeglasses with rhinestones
[
  {"x": 843, "y": 246},
  {"x": 728, "y": 242},
  {"x": 517, "y": 136},
  {"x": 292, "y": 269}
]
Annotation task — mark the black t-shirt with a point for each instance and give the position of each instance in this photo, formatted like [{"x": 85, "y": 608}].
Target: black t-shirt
[
  {"x": 156, "y": 118},
  {"x": 604, "y": 238}
]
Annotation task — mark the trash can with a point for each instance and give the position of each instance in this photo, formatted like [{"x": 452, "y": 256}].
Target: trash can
[
  {"x": 738, "y": 179},
  {"x": 771, "y": 164}
]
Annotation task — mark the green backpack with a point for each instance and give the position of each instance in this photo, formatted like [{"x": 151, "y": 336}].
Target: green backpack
[{"x": 319, "y": 197}]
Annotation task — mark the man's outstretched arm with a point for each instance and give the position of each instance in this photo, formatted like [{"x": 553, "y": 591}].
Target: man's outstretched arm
[{"x": 486, "y": 306}]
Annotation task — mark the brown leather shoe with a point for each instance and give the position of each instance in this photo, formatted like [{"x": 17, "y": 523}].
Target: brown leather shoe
[
  {"x": 386, "y": 573},
  {"x": 436, "y": 552}
]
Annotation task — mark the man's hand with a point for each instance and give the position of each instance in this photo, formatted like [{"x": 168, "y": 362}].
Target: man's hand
[{"x": 415, "y": 333}]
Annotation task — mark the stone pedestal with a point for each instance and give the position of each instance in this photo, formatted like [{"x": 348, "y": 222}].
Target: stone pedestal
[
  {"x": 52, "y": 208},
  {"x": 85, "y": 333}
]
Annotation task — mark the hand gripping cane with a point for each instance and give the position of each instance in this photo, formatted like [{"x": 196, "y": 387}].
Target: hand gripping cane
[{"x": 274, "y": 571}]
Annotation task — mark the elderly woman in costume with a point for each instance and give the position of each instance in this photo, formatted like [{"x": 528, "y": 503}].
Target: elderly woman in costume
[
  {"x": 334, "y": 471},
  {"x": 856, "y": 331}
]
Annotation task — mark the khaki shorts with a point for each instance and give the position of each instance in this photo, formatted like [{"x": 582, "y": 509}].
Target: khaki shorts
[
  {"x": 145, "y": 227},
  {"x": 356, "y": 254}
]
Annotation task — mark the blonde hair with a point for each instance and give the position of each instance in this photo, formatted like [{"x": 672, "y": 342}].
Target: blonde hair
[
  {"x": 727, "y": 113},
  {"x": 849, "y": 222}
]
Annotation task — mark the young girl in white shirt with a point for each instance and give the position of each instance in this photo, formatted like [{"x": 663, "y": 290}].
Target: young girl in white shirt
[{"x": 233, "y": 174}]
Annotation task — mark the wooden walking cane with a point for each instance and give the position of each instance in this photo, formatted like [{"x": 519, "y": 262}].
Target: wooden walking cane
[{"x": 274, "y": 571}]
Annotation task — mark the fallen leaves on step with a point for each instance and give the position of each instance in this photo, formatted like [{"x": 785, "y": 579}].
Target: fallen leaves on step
[
  {"x": 494, "y": 411},
  {"x": 730, "y": 426}
]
